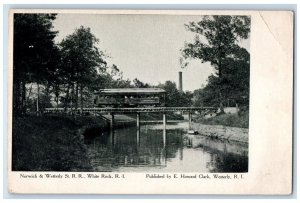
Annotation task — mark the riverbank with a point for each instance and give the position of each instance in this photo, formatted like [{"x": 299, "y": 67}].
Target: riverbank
[
  {"x": 232, "y": 127},
  {"x": 55, "y": 143},
  {"x": 212, "y": 131},
  {"x": 51, "y": 143},
  {"x": 240, "y": 120},
  {"x": 222, "y": 132}
]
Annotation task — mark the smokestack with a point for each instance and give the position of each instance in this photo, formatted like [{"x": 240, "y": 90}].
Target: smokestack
[{"x": 180, "y": 82}]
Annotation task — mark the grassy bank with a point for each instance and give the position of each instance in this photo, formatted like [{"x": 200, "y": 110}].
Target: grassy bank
[
  {"x": 50, "y": 143},
  {"x": 240, "y": 120}
]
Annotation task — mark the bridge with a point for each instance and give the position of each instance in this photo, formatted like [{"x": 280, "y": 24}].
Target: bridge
[
  {"x": 138, "y": 110},
  {"x": 132, "y": 110},
  {"x": 116, "y": 101}
]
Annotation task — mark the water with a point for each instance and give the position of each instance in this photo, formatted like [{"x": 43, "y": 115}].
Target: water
[{"x": 129, "y": 150}]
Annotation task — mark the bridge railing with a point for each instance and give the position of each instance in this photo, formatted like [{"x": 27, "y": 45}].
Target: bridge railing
[{"x": 131, "y": 110}]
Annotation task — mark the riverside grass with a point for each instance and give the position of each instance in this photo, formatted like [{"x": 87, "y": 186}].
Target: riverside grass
[
  {"x": 240, "y": 120},
  {"x": 50, "y": 143}
]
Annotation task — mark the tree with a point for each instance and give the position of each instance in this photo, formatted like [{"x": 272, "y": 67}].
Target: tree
[
  {"x": 33, "y": 50},
  {"x": 174, "y": 97},
  {"x": 139, "y": 84},
  {"x": 82, "y": 62},
  {"x": 217, "y": 42},
  {"x": 116, "y": 78}
]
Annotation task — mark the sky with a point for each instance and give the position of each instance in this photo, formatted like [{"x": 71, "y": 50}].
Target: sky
[{"x": 146, "y": 47}]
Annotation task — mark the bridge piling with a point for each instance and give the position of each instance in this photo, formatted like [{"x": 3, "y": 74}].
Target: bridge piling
[
  {"x": 190, "y": 120},
  {"x": 138, "y": 128},
  {"x": 112, "y": 138},
  {"x": 137, "y": 138},
  {"x": 138, "y": 120},
  {"x": 112, "y": 121},
  {"x": 164, "y": 128}
]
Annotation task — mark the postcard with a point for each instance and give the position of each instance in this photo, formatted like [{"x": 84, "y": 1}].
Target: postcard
[{"x": 150, "y": 102}]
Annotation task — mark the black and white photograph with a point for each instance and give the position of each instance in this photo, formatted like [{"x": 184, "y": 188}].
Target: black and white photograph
[
  {"x": 133, "y": 93},
  {"x": 105, "y": 98}
]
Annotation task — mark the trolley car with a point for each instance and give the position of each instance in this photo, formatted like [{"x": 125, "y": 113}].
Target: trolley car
[{"x": 130, "y": 97}]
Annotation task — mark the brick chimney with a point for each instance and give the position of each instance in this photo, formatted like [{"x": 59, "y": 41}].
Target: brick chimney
[{"x": 180, "y": 82}]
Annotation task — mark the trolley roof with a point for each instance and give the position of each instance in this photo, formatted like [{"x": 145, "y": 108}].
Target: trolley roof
[{"x": 131, "y": 91}]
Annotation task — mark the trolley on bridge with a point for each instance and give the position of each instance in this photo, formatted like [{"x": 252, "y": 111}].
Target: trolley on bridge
[{"x": 130, "y": 97}]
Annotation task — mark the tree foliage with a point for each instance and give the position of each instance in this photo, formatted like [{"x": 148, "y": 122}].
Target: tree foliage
[
  {"x": 82, "y": 60},
  {"x": 34, "y": 53},
  {"x": 222, "y": 34},
  {"x": 217, "y": 42},
  {"x": 174, "y": 97},
  {"x": 111, "y": 78},
  {"x": 139, "y": 84}
]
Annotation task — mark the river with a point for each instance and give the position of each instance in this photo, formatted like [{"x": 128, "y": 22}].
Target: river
[{"x": 129, "y": 150}]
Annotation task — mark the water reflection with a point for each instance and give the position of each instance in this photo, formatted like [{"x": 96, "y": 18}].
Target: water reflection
[{"x": 157, "y": 150}]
